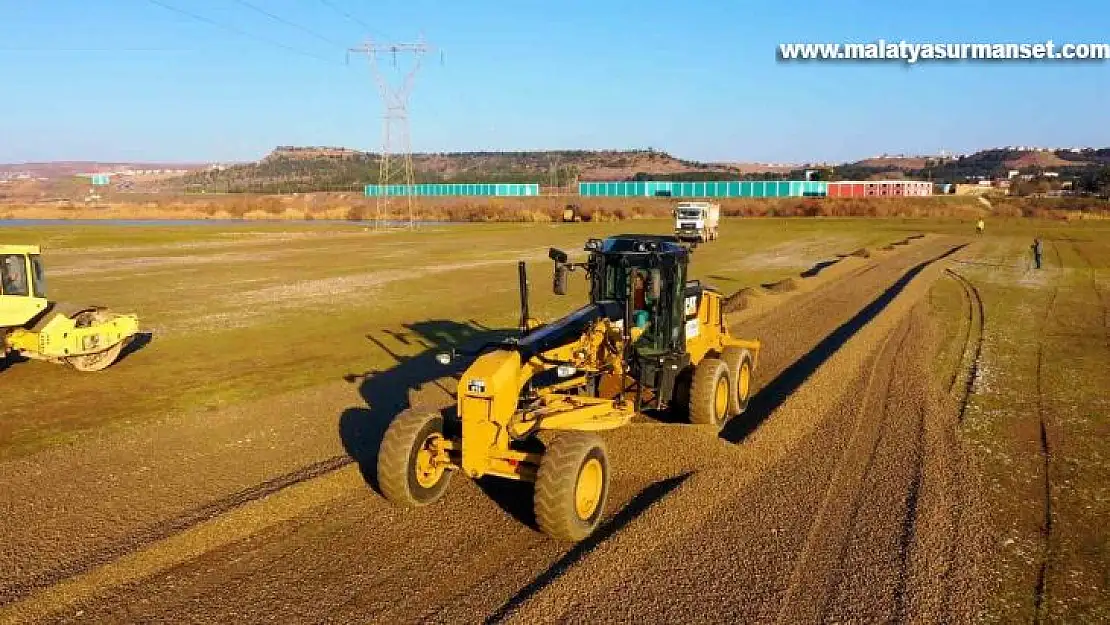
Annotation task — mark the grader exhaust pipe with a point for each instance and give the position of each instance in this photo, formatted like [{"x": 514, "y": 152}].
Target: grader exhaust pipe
[{"x": 522, "y": 274}]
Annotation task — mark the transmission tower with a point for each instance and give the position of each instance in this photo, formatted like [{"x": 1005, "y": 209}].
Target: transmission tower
[{"x": 395, "y": 166}]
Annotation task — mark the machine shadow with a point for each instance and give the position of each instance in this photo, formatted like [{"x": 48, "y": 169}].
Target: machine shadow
[
  {"x": 416, "y": 382},
  {"x": 818, "y": 267},
  {"x": 771, "y": 396},
  {"x": 137, "y": 342}
]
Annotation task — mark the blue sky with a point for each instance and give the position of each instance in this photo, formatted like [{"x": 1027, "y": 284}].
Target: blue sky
[{"x": 131, "y": 80}]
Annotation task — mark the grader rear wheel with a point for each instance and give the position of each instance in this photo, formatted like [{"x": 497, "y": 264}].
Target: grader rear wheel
[
  {"x": 99, "y": 360},
  {"x": 571, "y": 486},
  {"x": 412, "y": 468},
  {"x": 711, "y": 393},
  {"x": 741, "y": 365}
]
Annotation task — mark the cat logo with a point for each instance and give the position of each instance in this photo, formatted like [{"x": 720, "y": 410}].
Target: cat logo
[
  {"x": 477, "y": 385},
  {"x": 691, "y": 305}
]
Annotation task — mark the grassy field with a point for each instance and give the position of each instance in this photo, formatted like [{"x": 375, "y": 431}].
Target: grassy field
[
  {"x": 244, "y": 311},
  {"x": 1036, "y": 415}
]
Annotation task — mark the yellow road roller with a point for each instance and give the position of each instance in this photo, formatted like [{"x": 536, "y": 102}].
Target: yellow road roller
[{"x": 87, "y": 338}]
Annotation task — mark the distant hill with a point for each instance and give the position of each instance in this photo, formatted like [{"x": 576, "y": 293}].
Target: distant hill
[
  {"x": 289, "y": 169},
  {"x": 322, "y": 168},
  {"x": 995, "y": 162},
  {"x": 883, "y": 163},
  {"x": 62, "y": 169}
]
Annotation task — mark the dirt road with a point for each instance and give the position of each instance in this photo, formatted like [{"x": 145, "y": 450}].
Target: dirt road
[{"x": 840, "y": 495}]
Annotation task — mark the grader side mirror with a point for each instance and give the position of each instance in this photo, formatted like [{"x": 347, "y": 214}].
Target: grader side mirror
[
  {"x": 560, "y": 284},
  {"x": 559, "y": 256}
]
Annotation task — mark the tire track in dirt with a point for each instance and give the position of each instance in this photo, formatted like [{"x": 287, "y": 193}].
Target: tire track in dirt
[
  {"x": 976, "y": 327},
  {"x": 909, "y": 520},
  {"x": 806, "y": 597},
  {"x": 907, "y": 535},
  {"x": 1040, "y": 588},
  {"x": 154, "y": 533},
  {"x": 949, "y": 445}
]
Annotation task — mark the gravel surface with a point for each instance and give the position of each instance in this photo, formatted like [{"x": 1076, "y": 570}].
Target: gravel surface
[{"x": 841, "y": 495}]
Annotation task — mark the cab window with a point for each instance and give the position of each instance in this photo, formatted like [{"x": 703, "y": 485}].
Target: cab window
[
  {"x": 13, "y": 275},
  {"x": 38, "y": 282}
]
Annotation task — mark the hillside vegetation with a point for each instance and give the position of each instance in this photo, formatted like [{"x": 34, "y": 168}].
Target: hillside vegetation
[
  {"x": 305, "y": 169},
  {"x": 289, "y": 169}
]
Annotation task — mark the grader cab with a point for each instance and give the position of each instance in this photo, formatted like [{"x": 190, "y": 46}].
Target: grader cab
[
  {"x": 87, "y": 338},
  {"x": 529, "y": 408}
]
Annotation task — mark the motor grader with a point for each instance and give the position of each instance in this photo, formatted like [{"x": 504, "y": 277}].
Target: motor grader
[
  {"x": 529, "y": 407},
  {"x": 87, "y": 338}
]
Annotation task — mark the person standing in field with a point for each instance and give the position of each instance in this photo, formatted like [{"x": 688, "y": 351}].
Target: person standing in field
[
  {"x": 1036, "y": 253},
  {"x": 979, "y": 227}
]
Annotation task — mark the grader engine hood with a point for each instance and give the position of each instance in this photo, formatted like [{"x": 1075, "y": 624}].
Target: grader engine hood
[{"x": 568, "y": 329}]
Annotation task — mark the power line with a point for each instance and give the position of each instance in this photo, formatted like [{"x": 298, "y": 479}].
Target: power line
[
  {"x": 282, "y": 20},
  {"x": 347, "y": 15},
  {"x": 242, "y": 33}
]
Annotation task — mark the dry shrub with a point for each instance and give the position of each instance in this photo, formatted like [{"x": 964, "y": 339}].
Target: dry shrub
[
  {"x": 272, "y": 205},
  {"x": 356, "y": 213},
  {"x": 550, "y": 208}
]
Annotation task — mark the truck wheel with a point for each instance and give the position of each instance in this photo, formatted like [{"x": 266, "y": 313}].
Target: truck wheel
[
  {"x": 411, "y": 472},
  {"x": 571, "y": 486},
  {"x": 741, "y": 365},
  {"x": 711, "y": 393}
]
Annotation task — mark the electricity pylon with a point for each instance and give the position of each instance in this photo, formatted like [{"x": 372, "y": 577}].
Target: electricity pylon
[{"x": 395, "y": 165}]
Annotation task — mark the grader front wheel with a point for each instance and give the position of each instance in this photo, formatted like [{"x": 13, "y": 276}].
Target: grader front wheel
[
  {"x": 412, "y": 467},
  {"x": 571, "y": 486}
]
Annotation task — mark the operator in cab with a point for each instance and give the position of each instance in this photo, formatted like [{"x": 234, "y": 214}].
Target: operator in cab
[{"x": 642, "y": 301}]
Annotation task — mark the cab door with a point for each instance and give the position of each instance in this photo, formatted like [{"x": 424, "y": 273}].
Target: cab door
[{"x": 20, "y": 300}]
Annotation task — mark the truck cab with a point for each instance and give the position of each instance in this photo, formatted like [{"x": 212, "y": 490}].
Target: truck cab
[{"x": 696, "y": 221}]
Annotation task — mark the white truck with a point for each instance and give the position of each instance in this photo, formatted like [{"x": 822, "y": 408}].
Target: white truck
[{"x": 696, "y": 221}]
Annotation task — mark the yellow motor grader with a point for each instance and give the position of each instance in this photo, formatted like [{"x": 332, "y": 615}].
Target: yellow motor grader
[
  {"x": 87, "y": 338},
  {"x": 529, "y": 407}
]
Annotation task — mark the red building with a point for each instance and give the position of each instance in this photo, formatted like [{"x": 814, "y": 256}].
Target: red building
[{"x": 880, "y": 188}]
